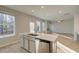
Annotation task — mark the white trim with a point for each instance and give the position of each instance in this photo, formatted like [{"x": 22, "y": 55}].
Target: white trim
[
  {"x": 65, "y": 48},
  {"x": 4, "y": 36}
]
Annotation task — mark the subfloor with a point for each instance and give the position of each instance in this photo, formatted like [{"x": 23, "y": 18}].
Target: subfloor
[{"x": 16, "y": 49}]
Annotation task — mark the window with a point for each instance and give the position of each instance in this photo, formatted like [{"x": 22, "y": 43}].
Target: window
[
  {"x": 38, "y": 26},
  {"x": 32, "y": 27},
  {"x": 7, "y": 25},
  {"x": 43, "y": 26}
]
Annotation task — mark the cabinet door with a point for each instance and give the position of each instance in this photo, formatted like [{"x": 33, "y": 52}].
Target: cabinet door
[
  {"x": 26, "y": 44},
  {"x": 44, "y": 47},
  {"x": 32, "y": 46},
  {"x": 21, "y": 41}
]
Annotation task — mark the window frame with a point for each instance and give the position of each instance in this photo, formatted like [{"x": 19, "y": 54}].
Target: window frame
[{"x": 12, "y": 34}]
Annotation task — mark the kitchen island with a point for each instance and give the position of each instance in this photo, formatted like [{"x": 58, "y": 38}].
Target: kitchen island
[{"x": 33, "y": 41}]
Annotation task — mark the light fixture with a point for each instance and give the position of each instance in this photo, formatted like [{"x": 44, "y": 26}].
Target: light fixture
[
  {"x": 42, "y": 6},
  {"x": 59, "y": 21},
  {"x": 32, "y": 10},
  {"x": 60, "y": 12}
]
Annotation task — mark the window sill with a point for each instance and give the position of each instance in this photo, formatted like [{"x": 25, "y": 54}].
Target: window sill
[{"x": 5, "y": 36}]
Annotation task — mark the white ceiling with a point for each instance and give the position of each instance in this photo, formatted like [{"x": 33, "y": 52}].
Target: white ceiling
[{"x": 49, "y": 12}]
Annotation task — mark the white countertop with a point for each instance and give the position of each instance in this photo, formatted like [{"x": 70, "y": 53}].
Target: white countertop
[{"x": 43, "y": 36}]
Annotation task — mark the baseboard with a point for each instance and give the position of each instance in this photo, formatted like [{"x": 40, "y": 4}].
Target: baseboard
[{"x": 9, "y": 43}]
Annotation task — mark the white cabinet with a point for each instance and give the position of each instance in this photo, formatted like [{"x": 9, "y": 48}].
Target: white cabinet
[
  {"x": 32, "y": 46},
  {"x": 21, "y": 41},
  {"x": 26, "y": 42},
  {"x": 43, "y": 47}
]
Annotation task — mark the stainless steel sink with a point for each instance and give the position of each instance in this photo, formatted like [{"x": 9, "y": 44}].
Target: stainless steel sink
[{"x": 33, "y": 34}]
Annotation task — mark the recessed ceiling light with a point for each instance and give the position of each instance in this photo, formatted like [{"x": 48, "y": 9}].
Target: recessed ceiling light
[
  {"x": 42, "y": 6},
  {"x": 32, "y": 10},
  {"x": 60, "y": 11},
  {"x": 59, "y": 21}
]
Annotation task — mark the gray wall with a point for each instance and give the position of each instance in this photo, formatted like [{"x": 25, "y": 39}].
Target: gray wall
[{"x": 66, "y": 26}]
